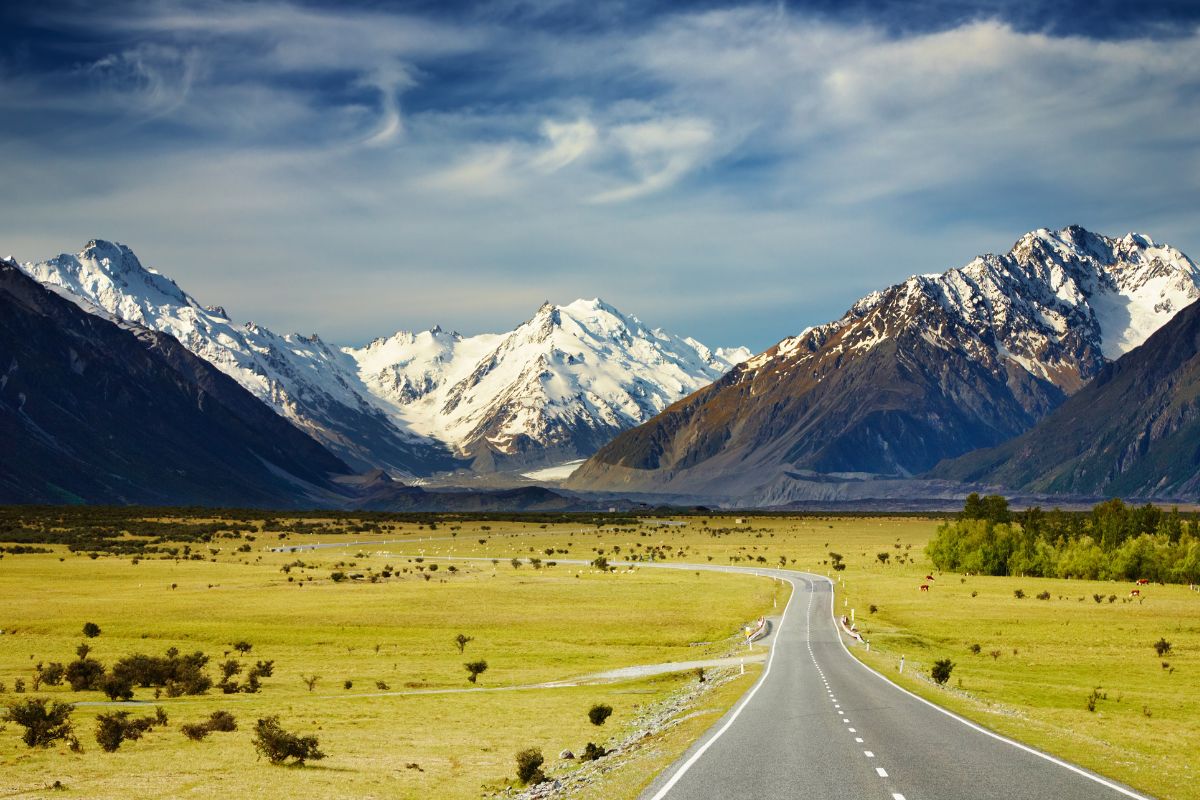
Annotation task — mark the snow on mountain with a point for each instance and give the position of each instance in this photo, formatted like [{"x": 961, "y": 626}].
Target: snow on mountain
[
  {"x": 927, "y": 369},
  {"x": 302, "y": 378},
  {"x": 556, "y": 388},
  {"x": 1054, "y": 295}
]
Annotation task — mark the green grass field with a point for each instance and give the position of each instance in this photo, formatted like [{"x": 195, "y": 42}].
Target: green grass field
[
  {"x": 567, "y": 621},
  {"x": 530, "y": 625}
]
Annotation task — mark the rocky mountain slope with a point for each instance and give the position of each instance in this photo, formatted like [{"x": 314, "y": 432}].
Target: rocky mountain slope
[
  {"x": 1134, "y": 431},
  {"x": 928, "y": 369},
  {"x": 552, "y": 390},
  {"x": 91, "y": 411}
]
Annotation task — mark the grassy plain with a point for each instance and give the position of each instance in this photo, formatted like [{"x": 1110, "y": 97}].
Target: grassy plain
[
  {"x": 1050, "y": 655},
  {"x": 424, "y": 736},
  {"x": 563, "y": 621}
]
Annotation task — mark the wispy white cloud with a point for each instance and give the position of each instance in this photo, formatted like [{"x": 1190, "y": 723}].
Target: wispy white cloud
[{"x": 750, "y": 147}]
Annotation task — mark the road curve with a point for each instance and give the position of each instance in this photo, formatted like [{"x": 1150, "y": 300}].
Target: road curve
[{"x": 821, "y": 724}]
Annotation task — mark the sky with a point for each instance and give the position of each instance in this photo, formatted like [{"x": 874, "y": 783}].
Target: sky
[{"x": 732, "y": 172}]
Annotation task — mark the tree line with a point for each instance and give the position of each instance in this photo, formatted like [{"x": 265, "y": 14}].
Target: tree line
[{"x": 1114, "y": 541}]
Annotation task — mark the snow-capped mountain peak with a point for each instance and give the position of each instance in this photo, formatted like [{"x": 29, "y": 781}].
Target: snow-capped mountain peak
[
  {"x": 554, "y": 388},
  {"x": 562, "y": 382}
]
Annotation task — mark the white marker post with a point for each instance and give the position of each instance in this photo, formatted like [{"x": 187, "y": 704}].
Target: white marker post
[{"x": 901, "y": 665}]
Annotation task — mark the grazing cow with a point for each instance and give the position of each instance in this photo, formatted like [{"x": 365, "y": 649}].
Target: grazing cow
[
  {"x": 1135, "y": 593},
  {"x": 929, "y": 577},
  {"x": 1143, "y": 582},
  {"x": 924, "y": 587}
]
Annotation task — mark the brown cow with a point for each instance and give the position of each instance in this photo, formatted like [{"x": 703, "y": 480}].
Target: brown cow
[
  {"x": 1135, "y": 593},
  {"x": 924, "y": 587},
  {"x": 1143, "y": 582},
  {"x": 929, "y": 577}
]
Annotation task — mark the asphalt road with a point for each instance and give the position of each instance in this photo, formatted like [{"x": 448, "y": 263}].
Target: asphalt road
[{"x": 820, "y": 724}]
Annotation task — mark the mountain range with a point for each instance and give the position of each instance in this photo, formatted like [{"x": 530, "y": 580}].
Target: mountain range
[
  {"x": 1067, "y": 365},
  {"x": 928, "y": 369},
  {"x": 554, "y": 389}
]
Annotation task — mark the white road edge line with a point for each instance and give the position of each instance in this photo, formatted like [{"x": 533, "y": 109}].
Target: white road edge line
[
  {"x": 687, "y": 765},
  {"x": 998, "y": 737}
]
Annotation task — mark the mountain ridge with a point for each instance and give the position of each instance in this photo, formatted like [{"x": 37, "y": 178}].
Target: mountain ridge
[
  {"x": 504, "y": 403},
  {"x": 929, "y": 368}
]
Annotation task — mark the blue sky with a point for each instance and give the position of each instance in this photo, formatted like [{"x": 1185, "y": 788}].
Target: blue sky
[{"x": 733, "y": 172}]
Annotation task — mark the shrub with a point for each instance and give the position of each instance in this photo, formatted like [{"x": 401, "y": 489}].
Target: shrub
[
  {"x": 222, "y": 721},
  {"x": 462, "y": 640},
  {"x": 1043, "y": 595},
  {"x": 310, "y": 681},
  {"x": 1099, "y": 598},
  {"x": 347, "y": 684},
  {"x": 941, "y": 670},
  {"x": 599, "y": 713},
  {"x": 45, "y": 722},
  {"x": 196, "y": 731},
  {"x": 116, "y": 687},
  {"x": 1019, "y": 594},
  {"x": 91, "y": 630},
  {"x": 1162, "y": 647},
  {"x": 52, "y": 674},
  {"x": 113, "y": 729},
  {"x": 475, "y": 669},
  {"x": 975, "y": 648},
  {"x": 529, "y": 766},
  {"x": 277, "y": 745},
  {"x": 382, "y": 686},
  {"x": 592, "y": 752},
  {"x": 84, "y": 674},
  {"x": 337, "y": 577},
  {"x": 872, "y": 608},
  {"x": 243, "y": 647},
  {"x": 1094, "y": 697}
]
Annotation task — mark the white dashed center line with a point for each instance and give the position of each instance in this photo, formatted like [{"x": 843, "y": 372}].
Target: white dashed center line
[{"x": 882, "y": 772}]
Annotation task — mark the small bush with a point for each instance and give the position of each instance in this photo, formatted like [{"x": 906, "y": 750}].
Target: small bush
[
  {"x": 45, "y": 722},
  {"x": 114, "y": 728},
  {"x": 1019, "y": 594},
  {"x": 116, "y": 687},
  {"x": 1099, "y": 598},
  {"x": 1095, "y": 697},
  {"x": 196, "y": 731},
  {"x": 347, "y": 684},
  {"x": 975, "y": 648},
  {"x": 475, "y": 669},
  {"x": 222, "y": 721},
  {"x": 592, "y": 752},
  {"x": 1162, "y": 647},
  {"x": 277, "y": 745},
  {"x": 941, "y": 670},
  {"x": 91, "y": 630},
  {"x": 243, "y": 647},
  {"x": 382, "y": 686},
  {"x": 1043, "y": 596},
  {"x": 529, "y": 766},
  {"x": 599, "y": 713}
]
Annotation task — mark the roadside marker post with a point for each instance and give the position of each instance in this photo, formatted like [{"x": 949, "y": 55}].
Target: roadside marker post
[{"x": 901, "y": 665}]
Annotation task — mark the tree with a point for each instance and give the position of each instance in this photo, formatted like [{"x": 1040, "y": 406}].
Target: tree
[
  {"x": 529, "y": 766},
  {"x": 91, "y": 630},
  {"x": 941, "y": 670},
  {"x": 44, "y": 722},
  {"x": 278, "y": 745},
  {"x": 116, "y": 687},
  {"x": 475, "y": 669},
  {"x": 599, "y": 713},
  {"x": 462, "y": 640}
]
